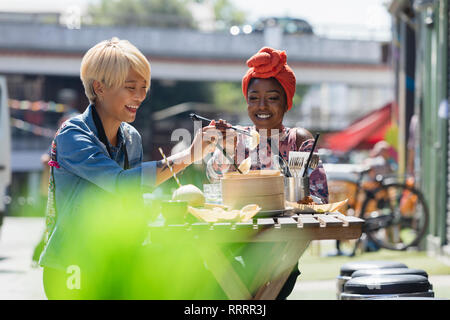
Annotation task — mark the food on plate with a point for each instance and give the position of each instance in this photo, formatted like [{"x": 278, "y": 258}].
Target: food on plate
[
  {"x": 190, "y": 193},
  {"x": 218, "y": 214},
  {"x": 249, "y": 211},
  {"x": 215, "y": 205},
  {"x": 320, "y": 208},
  {"x": 306, "y": 200}
]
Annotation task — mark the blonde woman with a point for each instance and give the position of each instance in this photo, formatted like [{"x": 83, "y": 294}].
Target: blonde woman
[{"x": 99, "y": 153}]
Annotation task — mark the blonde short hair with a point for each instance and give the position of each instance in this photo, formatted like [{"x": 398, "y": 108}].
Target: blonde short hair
[{"x": 109, "y": 62}]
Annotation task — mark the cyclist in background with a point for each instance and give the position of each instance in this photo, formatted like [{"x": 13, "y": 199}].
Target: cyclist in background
[{"x": 382, "y": 160}]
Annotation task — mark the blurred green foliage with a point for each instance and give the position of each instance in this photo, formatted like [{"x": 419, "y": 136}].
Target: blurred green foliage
[
  {"x": 161, "y": 13},
  {"x": 228, "y": 96},
  {"x": 151, "y": 13},
  {"x": 391, "y": 136},
  {"x": 300, "y": 92},
  {"x": 227, "y": 14},
  {"x": 122, "y": 252},
  {"x": 111, "y": 245}
]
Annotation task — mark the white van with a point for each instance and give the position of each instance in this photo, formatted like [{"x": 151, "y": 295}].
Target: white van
[{"x": 5, "y": 147}]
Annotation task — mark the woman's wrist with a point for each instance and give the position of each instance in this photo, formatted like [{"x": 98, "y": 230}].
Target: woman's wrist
[
  {"x": 182, "y": 159},
  {"x": 186, "y": 157},
  {"x": 190, "y": 155}
]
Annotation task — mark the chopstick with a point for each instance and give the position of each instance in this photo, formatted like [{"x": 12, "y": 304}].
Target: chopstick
[
  {"x": 197, "y": 117},
  {"x": 170, "y": 167},
  {"x": 229, "y": 158},
  {"x": 310, "y": 155}
]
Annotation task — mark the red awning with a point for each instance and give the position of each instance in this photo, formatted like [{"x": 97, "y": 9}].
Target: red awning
[{"x": 361, "y": 134}]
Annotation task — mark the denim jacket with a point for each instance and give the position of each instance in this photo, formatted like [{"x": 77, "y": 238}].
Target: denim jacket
[{"x": 84, "y": 166}]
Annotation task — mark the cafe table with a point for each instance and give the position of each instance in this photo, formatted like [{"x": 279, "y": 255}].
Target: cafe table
[{"x": 289, "y": 236}]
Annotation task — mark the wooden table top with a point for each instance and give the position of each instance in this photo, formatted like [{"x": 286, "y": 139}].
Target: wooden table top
[
  {"x": 289, "y": 237},
  {"x": 283, "y": 228}
]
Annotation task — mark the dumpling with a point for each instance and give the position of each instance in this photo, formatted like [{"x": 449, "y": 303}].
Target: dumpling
[
  {"x": 190, "y": 193},
  {"x": 245, "y": 165},
  {"x": 254, "y": 139}
]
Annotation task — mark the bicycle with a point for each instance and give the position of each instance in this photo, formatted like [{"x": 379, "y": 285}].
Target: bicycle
[{"x": 396, "y": 214}]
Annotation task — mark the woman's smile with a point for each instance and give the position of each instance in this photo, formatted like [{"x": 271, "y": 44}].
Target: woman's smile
[
  {"x": 263, "y": 116},
  {"x": 131, "y": 108}
]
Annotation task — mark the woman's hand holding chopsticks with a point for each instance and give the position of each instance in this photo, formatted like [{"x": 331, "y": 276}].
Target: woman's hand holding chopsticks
[
  {"x": 227, "y": 136},
  {"x": 204, "y": 142}
]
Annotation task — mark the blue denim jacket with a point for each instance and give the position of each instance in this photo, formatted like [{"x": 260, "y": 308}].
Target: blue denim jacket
[{"x": 84, "y": 164}]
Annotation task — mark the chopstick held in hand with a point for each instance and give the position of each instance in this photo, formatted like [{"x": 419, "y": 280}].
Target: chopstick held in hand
[
  {"x": 194, "y": 117},
  {"x": 170, "y": 167},
  {"x": 197, "y": 117}
]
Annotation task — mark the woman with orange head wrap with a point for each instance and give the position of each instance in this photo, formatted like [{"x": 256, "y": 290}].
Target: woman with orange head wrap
[{"x": 269, "y": 88}]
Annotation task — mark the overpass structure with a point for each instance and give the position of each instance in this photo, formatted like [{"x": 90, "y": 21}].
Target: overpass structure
[
  {"x": 179, "y": 54},
  {"x": 348, "y": 76}
]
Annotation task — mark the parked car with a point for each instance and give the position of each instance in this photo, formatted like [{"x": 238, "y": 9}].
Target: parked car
[
  {"x": 288, "y": 25},
  {"x": 5, "y": 147}
]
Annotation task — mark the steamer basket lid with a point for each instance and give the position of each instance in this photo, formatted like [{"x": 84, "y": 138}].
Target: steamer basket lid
[{"x": 252, "y": 174}]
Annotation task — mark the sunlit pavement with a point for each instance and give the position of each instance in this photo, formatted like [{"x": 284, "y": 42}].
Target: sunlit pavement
[{"x": 20, "y": 281}]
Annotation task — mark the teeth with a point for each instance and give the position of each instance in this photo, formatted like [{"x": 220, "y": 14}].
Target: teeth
[
  {"x": 263, "y": 116},
  {"x": 133, "y": 107}
]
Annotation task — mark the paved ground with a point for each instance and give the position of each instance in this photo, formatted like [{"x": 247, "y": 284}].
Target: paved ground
[{"x": 20, "y": 281}]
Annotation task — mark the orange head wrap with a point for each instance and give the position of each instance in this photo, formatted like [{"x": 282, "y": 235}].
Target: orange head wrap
[{"x": 268, "y": 63}]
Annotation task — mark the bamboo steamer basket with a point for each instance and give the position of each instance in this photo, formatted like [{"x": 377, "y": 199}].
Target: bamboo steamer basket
[{"x": 262, "y": 187}]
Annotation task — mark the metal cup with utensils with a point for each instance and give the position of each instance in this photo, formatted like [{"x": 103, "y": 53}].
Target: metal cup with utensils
[
  {"x": 296, "y": 188},
  {"x": 298, "y": 160}
]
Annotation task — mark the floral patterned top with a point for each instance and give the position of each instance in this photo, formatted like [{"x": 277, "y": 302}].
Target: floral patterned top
[{"x": 262, "y": 158}]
